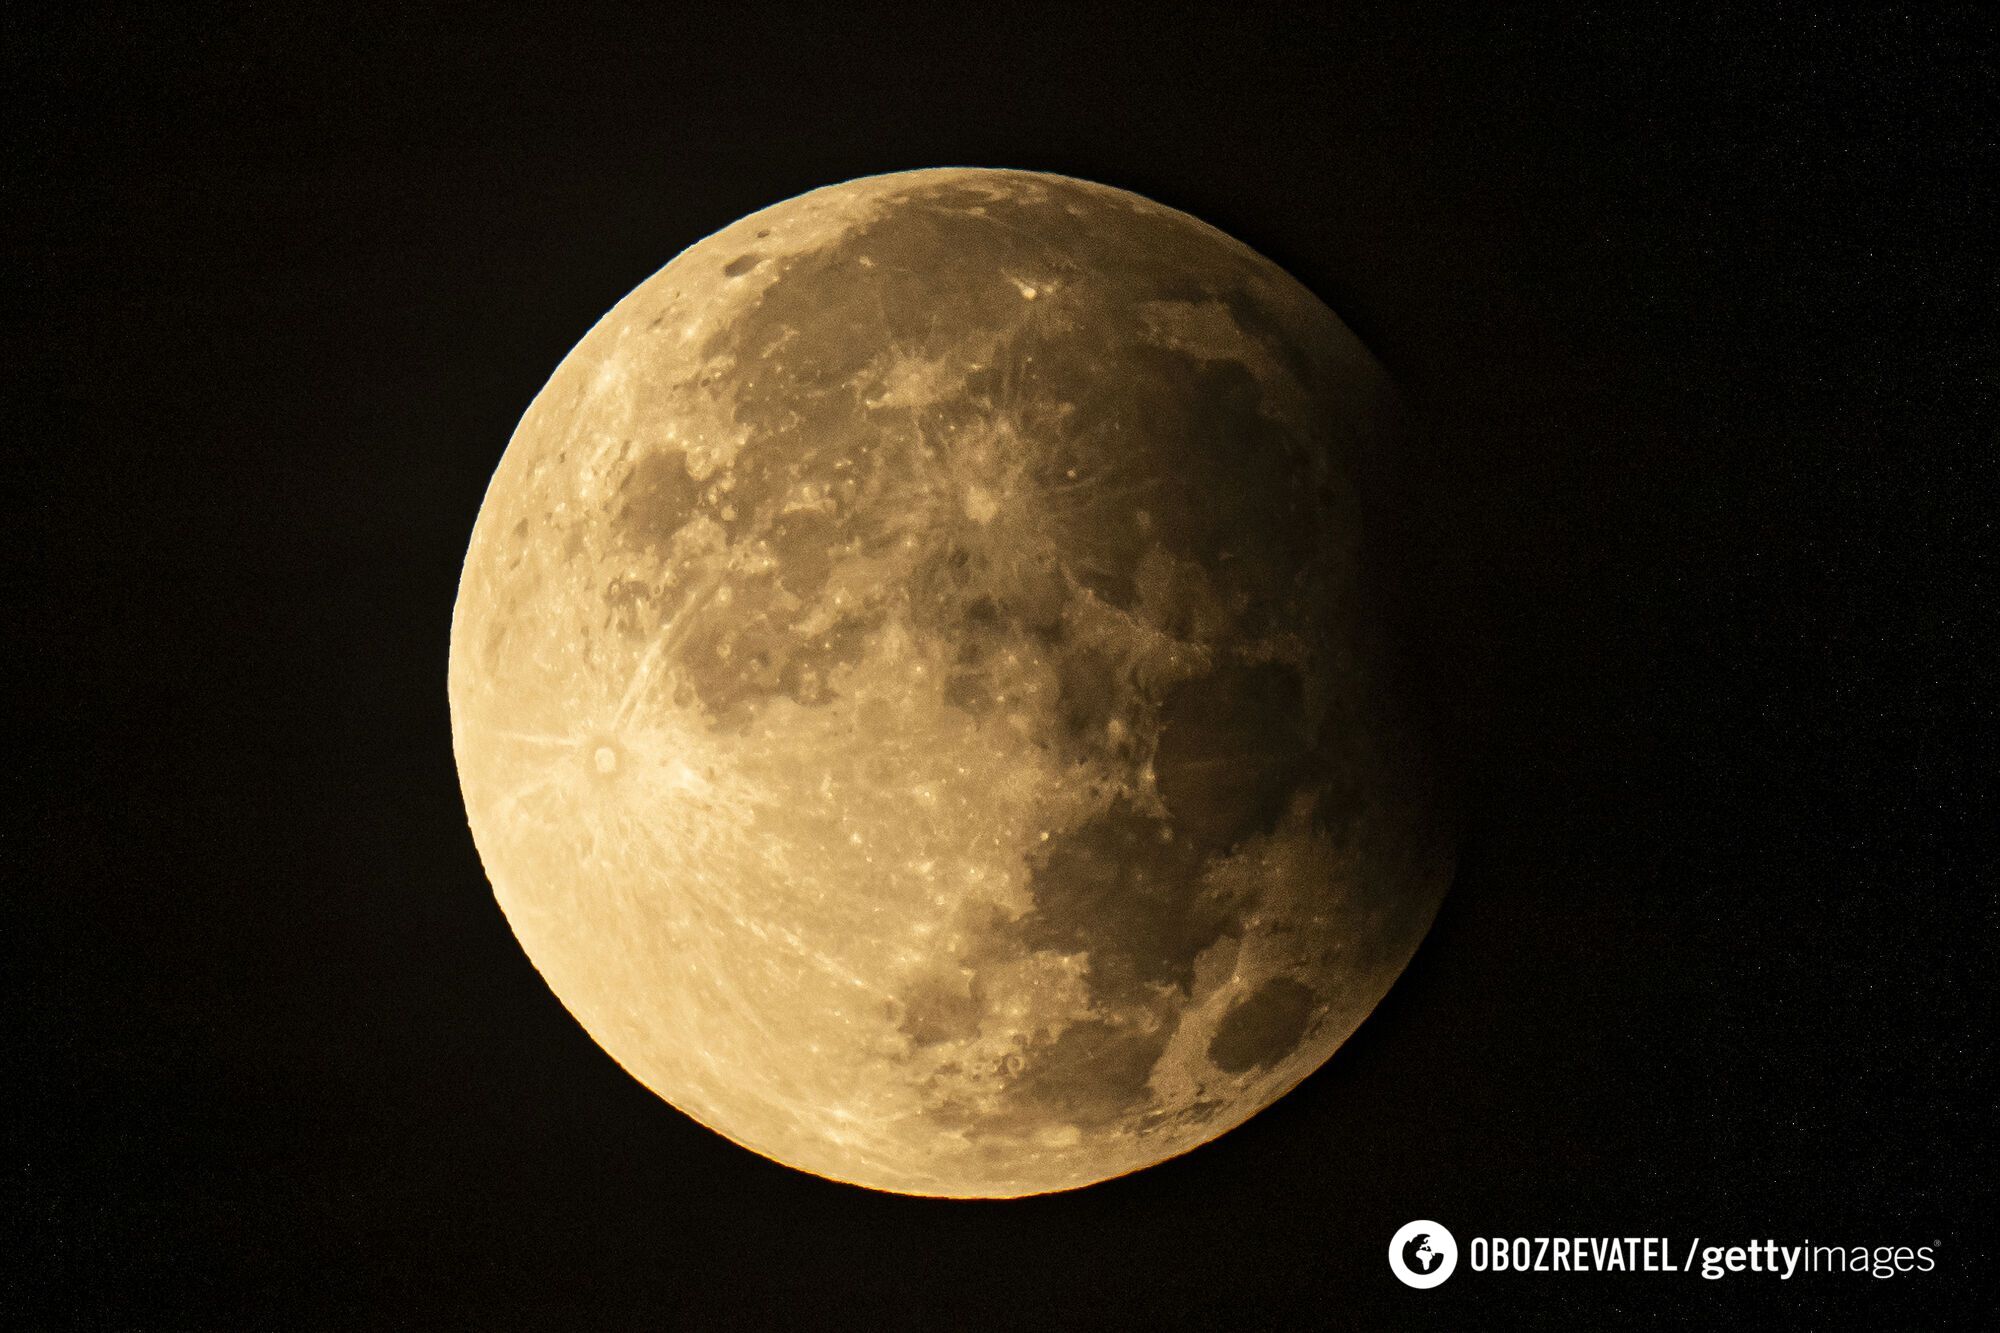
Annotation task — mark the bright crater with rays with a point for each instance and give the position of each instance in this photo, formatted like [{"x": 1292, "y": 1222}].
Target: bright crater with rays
[{"x": 912, "y": 695}]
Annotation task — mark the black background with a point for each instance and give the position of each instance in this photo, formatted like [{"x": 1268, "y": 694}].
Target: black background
[{"x": 1695, "y": 327}]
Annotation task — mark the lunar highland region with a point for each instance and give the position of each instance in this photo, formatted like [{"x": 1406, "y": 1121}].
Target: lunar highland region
[{"x": 912, "y": 692}]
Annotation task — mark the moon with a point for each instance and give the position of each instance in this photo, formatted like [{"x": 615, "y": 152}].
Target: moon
[{"x": 912, "y": 692}]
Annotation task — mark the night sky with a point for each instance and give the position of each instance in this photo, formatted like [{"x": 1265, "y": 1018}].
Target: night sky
[{"x": 1694, "y": 325}]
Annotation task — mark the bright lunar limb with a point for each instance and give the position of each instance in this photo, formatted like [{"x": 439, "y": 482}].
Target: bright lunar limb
[{"x": 912, "y": 696}]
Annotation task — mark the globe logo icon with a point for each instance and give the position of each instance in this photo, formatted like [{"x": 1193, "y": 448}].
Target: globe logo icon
[{"x": 1422, "y": 1254}]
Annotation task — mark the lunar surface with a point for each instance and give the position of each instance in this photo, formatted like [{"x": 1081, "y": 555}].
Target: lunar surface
[{"x": 912, "y": 695}]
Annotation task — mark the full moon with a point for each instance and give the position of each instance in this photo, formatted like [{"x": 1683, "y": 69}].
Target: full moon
[{"x": 913, "y": 695}]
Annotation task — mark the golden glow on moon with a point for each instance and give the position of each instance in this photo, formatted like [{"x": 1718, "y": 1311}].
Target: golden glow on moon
[{"x": 910, "y": 695}]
